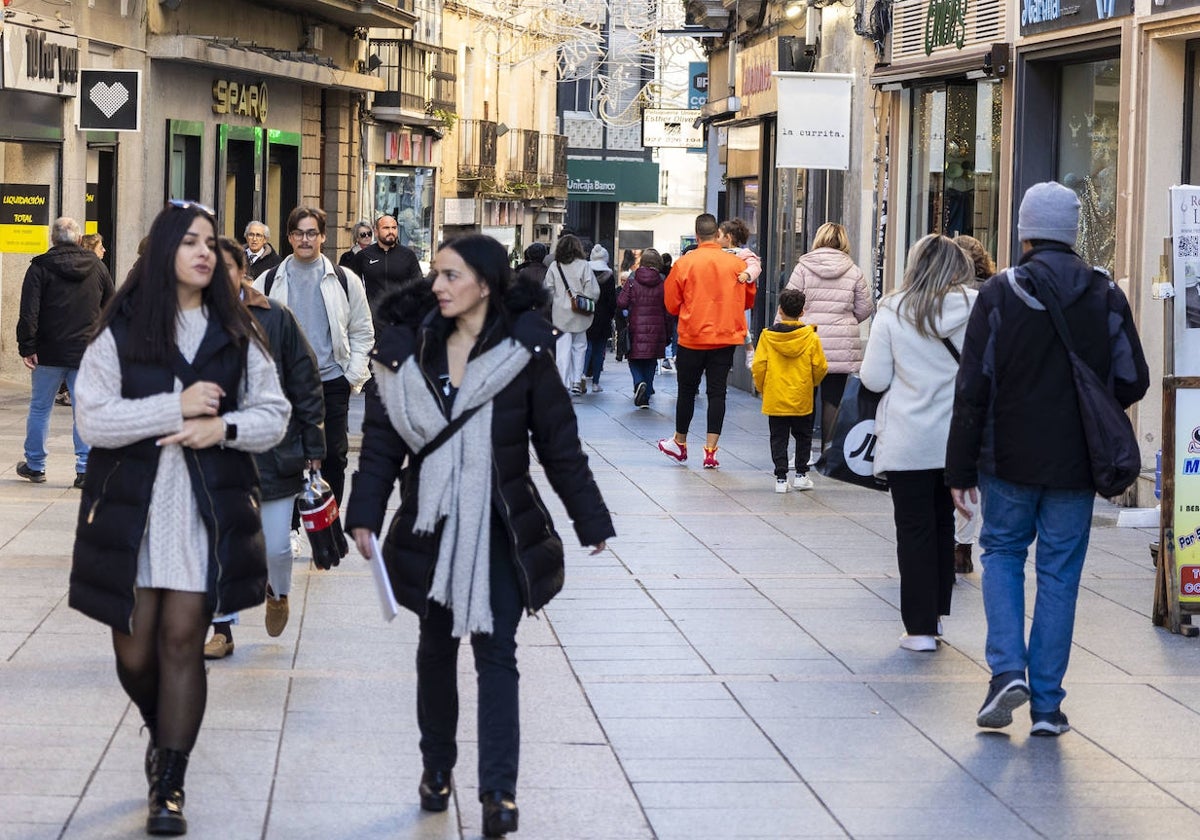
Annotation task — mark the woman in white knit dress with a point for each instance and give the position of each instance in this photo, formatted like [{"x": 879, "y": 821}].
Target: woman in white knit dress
[{"x": 173, "y": 394}]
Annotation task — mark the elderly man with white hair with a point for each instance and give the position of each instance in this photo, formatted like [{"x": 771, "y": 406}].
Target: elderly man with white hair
[{"x": 260, "y": 256}]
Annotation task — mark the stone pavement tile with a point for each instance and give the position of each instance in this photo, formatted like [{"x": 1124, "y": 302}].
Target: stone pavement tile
[
  {"x": 793, "y": 700},
  {"x": 665, "y": 653},
  {"x": 749, "y": 821},
  {"x": 39, "y": 809},
  {"x": 1035, "y": 793},
  {"x": 690, "y": 564},
  {"x": 653, "y": 699},
  {"x": 53, "y": 745},
  {"x": 718, "y": 769},
  {"x": 716, "y": 598},
  {"x": 666, "y": 738},
  {"x": 570, "y": 639},
  {"x": 989, "y": 818},
  {"x": 391, "y": 784},
  {"x": 889, "y": 768},
  {"x": 14, "y": 830},
  {"x": 1091, "y": 821},
  {"x": 805, "y": 739},
  {"x": 596, "y": 669},
  {"x": 586, "y": 813},
  {"x": 312, "y": 820}
]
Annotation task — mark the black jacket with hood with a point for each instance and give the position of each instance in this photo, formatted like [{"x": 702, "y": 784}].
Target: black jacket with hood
[
  {"x": 534, "y": 406},
  {"x": 1015, "y": 411},
  {"x": 64, "y": 291}
]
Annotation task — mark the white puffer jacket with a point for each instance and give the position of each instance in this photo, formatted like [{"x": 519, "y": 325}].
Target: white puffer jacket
[{"x": 837, "y": 300}]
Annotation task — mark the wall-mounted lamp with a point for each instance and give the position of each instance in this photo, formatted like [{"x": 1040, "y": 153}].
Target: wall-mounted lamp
[
  {"x": 373, "y": 63},
  {"x": 501, "y": 129},
  {"x": 795, "y": 9}
]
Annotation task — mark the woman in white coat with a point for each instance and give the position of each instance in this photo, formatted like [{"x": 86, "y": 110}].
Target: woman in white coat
[
  {"x": 570, "y": 275},
  {"x": 912, "y": 354}
]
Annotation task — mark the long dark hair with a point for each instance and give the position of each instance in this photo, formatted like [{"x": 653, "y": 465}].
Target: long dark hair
[{"x": 149, "y": 300}]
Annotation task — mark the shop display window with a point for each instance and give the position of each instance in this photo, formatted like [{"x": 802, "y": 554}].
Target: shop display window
[
  {"x": 954, "y": 149},
  {"x": 406, "y": 194},
  {"x": 1087, "y": 152}
]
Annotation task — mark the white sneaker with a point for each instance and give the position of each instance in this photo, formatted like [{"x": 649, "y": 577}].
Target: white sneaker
[
  {"x": 939, "y": 628},
  {"x": 802, "y": 482},
  {"x": 918, "y": 643},
  {"x": 781, "y": 485},
  {"x": 813, "y": 458},
  {"x": 596, "y": 389}
]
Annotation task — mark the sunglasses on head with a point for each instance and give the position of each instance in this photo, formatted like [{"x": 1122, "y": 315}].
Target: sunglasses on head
[{"x": 187, "y": 205}]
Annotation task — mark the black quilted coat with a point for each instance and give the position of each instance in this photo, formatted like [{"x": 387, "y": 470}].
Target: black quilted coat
[{"x": 534, "y": 407}]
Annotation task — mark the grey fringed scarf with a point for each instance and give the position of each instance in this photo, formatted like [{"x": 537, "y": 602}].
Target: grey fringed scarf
[{"x": 456, "y": 478}]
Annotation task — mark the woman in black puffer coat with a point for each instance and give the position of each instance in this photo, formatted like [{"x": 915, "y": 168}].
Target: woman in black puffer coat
[{"x": 466, "y": 380}]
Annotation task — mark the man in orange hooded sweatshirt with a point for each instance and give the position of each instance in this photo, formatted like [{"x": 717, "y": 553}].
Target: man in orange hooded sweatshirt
[{"x": 709, "y": 290}]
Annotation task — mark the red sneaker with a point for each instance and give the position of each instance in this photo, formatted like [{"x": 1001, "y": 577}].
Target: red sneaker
[
  {"x": 710, "y": 458},
  {"x": 673, "y": 449}
]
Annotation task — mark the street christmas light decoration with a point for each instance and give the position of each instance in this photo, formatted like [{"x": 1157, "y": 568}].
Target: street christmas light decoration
[{"x": 609, "y": 41}]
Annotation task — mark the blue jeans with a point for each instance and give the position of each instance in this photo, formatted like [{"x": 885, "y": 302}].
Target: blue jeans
[
  {"x": 642, "y": 370},
  {"x": 593, "y": 361},
  {"x": 46, "y": 381},
  {"x": 1061, "y": 520}
]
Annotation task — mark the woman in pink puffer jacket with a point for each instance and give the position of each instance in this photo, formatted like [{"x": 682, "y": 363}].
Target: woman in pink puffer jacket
[{"x": 837, "y": 300}]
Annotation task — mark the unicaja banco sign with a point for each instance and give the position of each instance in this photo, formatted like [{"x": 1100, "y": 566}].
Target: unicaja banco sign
[{"x": 591, "y": 187}]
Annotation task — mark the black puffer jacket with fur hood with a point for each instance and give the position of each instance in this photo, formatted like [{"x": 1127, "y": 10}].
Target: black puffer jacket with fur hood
[{"x": 533, "y": 407}]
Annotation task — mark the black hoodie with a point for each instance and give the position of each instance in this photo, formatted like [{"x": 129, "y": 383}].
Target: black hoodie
[
  {"x": 64, "y": 291},
  {"x": 1015, "y": 412}
]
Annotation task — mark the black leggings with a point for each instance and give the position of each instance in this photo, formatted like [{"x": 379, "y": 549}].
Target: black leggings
[
  {"x": 714, "y": 365},
  {"x": 161, "y": 665}
]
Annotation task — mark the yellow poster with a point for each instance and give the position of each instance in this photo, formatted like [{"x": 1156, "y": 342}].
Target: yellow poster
[
  {"x": 24, "y": 239},
  {"x": 24, "y": 218}
]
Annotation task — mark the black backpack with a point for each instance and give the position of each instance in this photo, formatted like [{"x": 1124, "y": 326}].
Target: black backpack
[{"x": 269, "y": 280}]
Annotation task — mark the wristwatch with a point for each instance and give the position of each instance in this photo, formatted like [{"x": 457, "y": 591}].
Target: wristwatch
[{"x": 230, "y": 432}]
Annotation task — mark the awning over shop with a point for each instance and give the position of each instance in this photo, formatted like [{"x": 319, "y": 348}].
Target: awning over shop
[
  {"x": 589, "y": 179},
  {"x": 219, "y": 53},
  {"x": 991, "y": 61}
]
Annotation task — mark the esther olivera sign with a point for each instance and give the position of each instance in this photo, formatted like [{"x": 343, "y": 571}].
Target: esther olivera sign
[
  {"x": 813, "y": 132},
  {"x": 672, "y": 128}
]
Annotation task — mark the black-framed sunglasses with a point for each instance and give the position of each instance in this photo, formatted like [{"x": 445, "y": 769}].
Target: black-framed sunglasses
[
  {"x": 364, "y": 234},
  {"x": 183, "y": 204}
]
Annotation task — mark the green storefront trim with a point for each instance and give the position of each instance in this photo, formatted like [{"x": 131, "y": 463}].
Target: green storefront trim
[{"x": 612, "y": 180}]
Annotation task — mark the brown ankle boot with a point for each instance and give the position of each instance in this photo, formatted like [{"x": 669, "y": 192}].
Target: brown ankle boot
[{"x": 962, "y": 559}]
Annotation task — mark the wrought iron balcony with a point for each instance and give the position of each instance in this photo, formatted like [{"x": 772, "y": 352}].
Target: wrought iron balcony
[
  {"x": 476, "y": 149},
  {"x": 552, "y": 160},
  {"x": 352, "y": 14},
  {"x": 523, "y": 157}
]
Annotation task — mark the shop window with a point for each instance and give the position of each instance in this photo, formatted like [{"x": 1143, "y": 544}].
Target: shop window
[
  {"x": 406, "y": 194},
  {"x": 954, "y": 162},
  {"x": 183, "y": 151},
  {"x": 1191, "y": 158},
  {"x": 1087, "y": 152}
]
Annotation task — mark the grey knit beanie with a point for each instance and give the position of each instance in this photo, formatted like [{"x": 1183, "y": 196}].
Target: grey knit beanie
[{"x": 1049, "y": 211}]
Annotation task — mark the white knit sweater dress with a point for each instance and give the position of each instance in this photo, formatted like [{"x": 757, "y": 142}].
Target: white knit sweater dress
[{"x": 174, "y": 550}]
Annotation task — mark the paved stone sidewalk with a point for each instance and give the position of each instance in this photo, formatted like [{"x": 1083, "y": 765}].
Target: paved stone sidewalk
[{"x": 728, "y": 669}]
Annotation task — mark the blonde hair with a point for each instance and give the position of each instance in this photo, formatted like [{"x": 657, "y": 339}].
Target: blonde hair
[
  {"x": 935, "y": 266},
  {"x": 985, "y": 267},
  {"x": 832, "y": 235}
]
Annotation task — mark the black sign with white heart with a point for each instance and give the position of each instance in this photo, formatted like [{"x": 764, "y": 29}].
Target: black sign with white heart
[{"x": 109, "y": 100}]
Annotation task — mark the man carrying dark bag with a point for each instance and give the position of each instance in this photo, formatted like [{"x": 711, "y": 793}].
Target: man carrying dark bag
[{"x": 1017, "y": 434}]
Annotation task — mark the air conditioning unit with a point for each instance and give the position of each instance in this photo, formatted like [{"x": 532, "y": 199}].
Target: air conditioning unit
[{"x": 709, "y": 13}]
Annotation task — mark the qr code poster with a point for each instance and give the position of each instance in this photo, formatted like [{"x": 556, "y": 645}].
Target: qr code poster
[{"x": 1185, "y": 237}]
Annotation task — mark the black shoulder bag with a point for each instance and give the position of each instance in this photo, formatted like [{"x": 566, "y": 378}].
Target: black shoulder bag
[{"x": 1112, "y": 446}]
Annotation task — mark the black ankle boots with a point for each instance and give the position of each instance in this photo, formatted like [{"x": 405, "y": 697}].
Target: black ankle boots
[
  {"x": 166, "y": 793},
  {"x": 499, "y": 813}
]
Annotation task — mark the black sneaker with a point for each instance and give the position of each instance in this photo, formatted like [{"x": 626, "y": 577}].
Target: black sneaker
[
  {"x": 1006, "y": 692},
  {"x": 36, "y": 476},
  {"x": 79, "y": 477},
  {"x": 1049, "y": 723},
  {"x": 640, "y": 398}
]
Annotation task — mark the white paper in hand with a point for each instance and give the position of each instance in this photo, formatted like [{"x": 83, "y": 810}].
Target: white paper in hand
[{"x": 387, "y": 600}]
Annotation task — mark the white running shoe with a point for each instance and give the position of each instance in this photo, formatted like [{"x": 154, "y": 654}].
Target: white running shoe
[
  {"x": 802, "y": 482},
  {"x": 922, "y": 644},
  {"x": 781, "y": 485}
]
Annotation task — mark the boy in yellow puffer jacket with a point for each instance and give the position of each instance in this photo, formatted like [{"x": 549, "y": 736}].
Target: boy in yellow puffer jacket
[{"x": 788, "y": 364}]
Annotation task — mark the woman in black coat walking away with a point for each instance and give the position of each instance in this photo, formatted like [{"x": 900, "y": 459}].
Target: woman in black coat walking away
[
  {"x": 466, "y": 380},
  {"x": 173, "y": 394}
]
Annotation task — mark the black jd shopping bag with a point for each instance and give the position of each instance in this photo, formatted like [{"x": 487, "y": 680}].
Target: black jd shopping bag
[{"x": 851, "y": 453}]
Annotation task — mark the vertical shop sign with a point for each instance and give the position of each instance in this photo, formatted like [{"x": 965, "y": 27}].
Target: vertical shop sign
[
  {"x": 697, "y": 84},
  {"x": 813, "y": 132},
  {"x": 983, "y": 127},
  {"x": 91, "y": 212},
  {"x": 1184, "y": 517},
  {"x": 24, "y": 218},
  {"x": 937, "y": 131}
]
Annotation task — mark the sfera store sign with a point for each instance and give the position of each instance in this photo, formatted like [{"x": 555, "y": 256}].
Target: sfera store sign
[
  {"x": 38, "y": 61},
  {"x": 240, "y": 99}
]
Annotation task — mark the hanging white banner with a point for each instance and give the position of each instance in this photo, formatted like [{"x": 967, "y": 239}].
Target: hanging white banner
[{"x": 813, "y": 123}]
